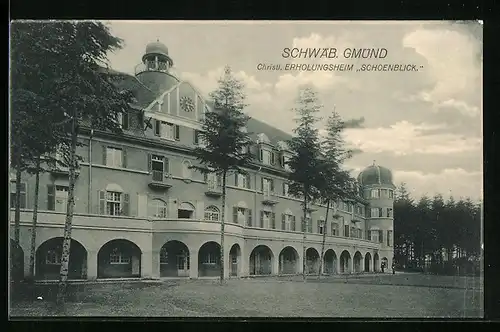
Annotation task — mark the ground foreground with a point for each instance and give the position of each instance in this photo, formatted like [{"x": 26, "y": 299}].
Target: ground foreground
[{"x": 400, "y": 295}]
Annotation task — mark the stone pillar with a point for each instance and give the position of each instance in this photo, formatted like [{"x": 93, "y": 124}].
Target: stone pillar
[
  {"x": 243, "y": 264},
  {"x": 275, "y": 269},
  {"x": 193, "y": 264},
  {"x": 147, "y": 265},
  {"x": 155, "y": 264},
  {"x": 26, "y": 263},
  {"x": 350, "y": 264},
  {"x": 281, "y": 263},
  {"x": 91, "y": 265},
  {"x": 227, "y": 263}
]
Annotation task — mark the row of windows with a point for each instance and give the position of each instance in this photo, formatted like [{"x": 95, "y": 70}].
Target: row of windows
[
  {"x": 381, "y": 193},
  {"x": 117, "y": 203},
  {"x": 381, "y": 212}
]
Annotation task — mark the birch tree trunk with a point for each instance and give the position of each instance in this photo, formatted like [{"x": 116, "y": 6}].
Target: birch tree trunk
[
  {"x": 17, "y": 212},
  {"x": 304, "y": 228},
  {"x": 223, "y": 215},
  {"x": 324, "y": 239},
  {"x": 63, "y": 275},
  {"x": 35, "y": 216}
]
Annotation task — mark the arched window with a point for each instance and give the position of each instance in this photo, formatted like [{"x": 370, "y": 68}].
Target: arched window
[
  {"x": 212, "y": 213},
  {"x": 185, "y": 211},
  {"x": 118, "y": 257},
  {"x": 157, "y": 208},
  {"x": 53, "y": 257},
  {"x": 186, "y": 171}
]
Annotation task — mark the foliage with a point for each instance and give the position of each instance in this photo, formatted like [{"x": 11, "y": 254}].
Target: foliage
[
  {"x": 225, "y": 143},
  {"x": 305, "y": 163},
  {"x": 436, "y": 228},
  {"x": 58, "y": 81}
]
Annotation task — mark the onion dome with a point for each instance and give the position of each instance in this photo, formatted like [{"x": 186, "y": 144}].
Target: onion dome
[{"x": 375, "y": 175}]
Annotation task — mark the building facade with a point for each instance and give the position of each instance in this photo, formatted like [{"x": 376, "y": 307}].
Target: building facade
[{"x": 141, "y": 211}]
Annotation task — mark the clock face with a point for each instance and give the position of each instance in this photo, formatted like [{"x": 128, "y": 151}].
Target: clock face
[{"x": 187, "y": 104}]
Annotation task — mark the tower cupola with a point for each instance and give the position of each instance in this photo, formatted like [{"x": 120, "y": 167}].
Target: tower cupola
[{"x": 155, "y": 58}]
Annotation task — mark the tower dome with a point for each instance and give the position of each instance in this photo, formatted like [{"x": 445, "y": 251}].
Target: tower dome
[
  {"x": 157, "y": 49},
  {"x": 375, "y": 175}
]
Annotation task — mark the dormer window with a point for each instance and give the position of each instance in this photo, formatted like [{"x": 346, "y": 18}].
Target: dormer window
[
  {"x": 267, "y": 157},
  {"x": 284, "y": 162}
]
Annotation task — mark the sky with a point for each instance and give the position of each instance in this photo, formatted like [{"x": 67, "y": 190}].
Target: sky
[{"x": 424, "y": 125}]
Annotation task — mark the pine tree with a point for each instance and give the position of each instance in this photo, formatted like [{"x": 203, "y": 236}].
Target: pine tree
[
  {"x": 226, "y": 144},
  {"x": 336, "y": 183},
  {"x": 305, "y": 161}
]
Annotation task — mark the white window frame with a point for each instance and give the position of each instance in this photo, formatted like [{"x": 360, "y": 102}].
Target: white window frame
[
  {"x": 113, "y": 201},
  {"x": 241, "y": 215},
  {"x": 53, "y": 257},
  {"x": 60, "y": 196},
  {"x": 159, "y": 207},
  {"x": 23, "y": 191},
  {"x": 242, "y": 181},
  {"x": 212, "y": 213},
  {"x": 266, "y": 219},
  {"x": 210, "y": 258},
  {"x": 375, "y": 193},
  {"x": 286, "y": 187},
  {"x": 113, "y": 158},
  {"x": 374, "y": 213},
  {"x": 167, "y": 130},
  {"x": 116, "y": 257},
  {"x": 266, "y": 156}
]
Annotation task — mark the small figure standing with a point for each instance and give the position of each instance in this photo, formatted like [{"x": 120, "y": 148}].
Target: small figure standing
[
  {"x": 393, "y": 268},
  {"x": 383, "y": 267}
]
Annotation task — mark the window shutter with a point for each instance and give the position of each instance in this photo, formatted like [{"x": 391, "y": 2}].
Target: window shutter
[
  {"x": 51, "y": 193},
  {"x": 249, "y": 181},
  {"x": 125, "y": 118},
  {"x": 166, "y": 165},
  {"x": 126, "y": 205},
  {"x": 381, "y": 236},
  {"x": 205, "y": 177},
  {"x": 177, "y": 133},
  {"x": 249, "y": 215},
  {"x": 235, "y": 214},
  {"x": 195, "y": 137},
  {"x": 124, "y": 158},
  {"x": 273, "y": 220},
  {"x": 150, "y": 163},
  {"x": 262, "y": 219},
  {"x": 236, "y": 179},
  {"x": 272, "y": 185},
  {"x": 283, "y": 188},
  {"x": 302, "y": 222},
  {"x": 157, "y": 127},
  {"x": 283, "y": 221},
  {"x": 293, "y": 221},
  {"x": 104, "y": 155},
  {"x": 272, "y": 158},
  {"x": 262, "y": 183},
  {"x": 102, "y": 202},
  {"x": 219, "y": 180}
]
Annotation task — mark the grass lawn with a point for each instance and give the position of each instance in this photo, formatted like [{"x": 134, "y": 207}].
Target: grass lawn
[{"x": 400, "y": 295}]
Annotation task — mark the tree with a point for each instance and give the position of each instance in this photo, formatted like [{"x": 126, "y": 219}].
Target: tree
[
  {"x": 68, "y": 58},
  {"x": 305, "y": 161},
  {"x": 336, "y": 183},
  {"x": 34, "y": 124},
  {"x": 226, "y": 144},
  {"x": 404, "y": 225}
]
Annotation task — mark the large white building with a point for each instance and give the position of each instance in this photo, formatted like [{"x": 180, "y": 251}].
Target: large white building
[{"x": 140, "y": 210}]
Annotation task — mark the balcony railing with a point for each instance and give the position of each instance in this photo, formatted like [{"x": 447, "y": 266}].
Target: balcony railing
[
  {"x": 213, "y": 188},
  {"x": 158, "y": 180},
  {"x": 269, "y": 198}
]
